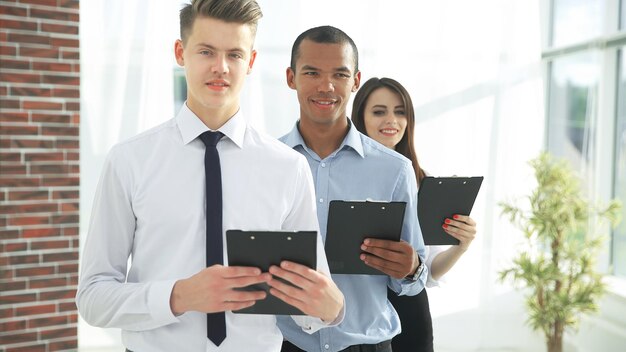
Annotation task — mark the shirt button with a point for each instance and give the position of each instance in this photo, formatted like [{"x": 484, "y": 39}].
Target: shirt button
[
  {"x": 321, "y": 200},
  {"x": 326, "y": 346},
  {"x": 323, "y": 164}
]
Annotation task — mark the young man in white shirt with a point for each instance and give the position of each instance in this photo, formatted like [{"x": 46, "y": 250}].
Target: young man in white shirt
[{"x": 150, "y": 206}]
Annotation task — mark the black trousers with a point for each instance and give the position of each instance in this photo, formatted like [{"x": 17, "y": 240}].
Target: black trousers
[
  {"x": 384, "y": 346},
  {"x": 417, "y": 324}
]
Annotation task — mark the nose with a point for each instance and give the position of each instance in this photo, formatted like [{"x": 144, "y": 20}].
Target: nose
[
  {"x": 220, "y": 66},
  {"x": 390, "y": 118},
  {"x": 326, "y": 85}
]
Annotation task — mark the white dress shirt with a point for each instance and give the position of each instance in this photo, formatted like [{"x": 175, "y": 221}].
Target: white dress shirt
[{"x": 150, "y": 205}]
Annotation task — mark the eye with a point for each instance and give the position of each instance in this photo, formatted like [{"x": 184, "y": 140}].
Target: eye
[
  {"x": 379, "y": 112},
  {"x": 309, "y": 73},
  {"x": 205, "y": 52},
  {"x": 236, "y": 56},
  {"x": 343, "y": 75},
  {"x": 399, "y": 112}
]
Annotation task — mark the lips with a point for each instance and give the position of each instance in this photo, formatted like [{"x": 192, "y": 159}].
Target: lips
[
  {"x": 324, "y": 102},
  {"x": 388, "y": 131},
  {"x": 217, "y": 84}
]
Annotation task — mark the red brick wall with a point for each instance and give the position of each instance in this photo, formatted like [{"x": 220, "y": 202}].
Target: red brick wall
[{"x": 39, "y": 174}]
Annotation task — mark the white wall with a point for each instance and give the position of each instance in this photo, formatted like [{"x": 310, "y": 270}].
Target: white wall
[{"x": 472, "y": 67}]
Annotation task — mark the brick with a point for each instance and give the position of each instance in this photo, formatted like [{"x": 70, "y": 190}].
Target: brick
[
  {"x": 47, "y": 283},
  {"x": 57, "y": 295},
  {"x": 41, "y": 105},
  {"x": 43, "y": 232},
  {"x": 60, "y": 131},
  {"x": 13, "y": 11},
  {"x": 29, "y": 208},
  {"x": 60, "y": 79},
  {"x": 70, "y": 4},
  {"x": 67, "y": 345},
  {"x": 19, "y": 182},
  {"x": 34, "y": 272},
  {"x": 35, "y": 309},
  {"x": 19, "y": 298},
  {"x": 53, "y": 15},
  {"x": 29, "y": 39},
  {"x": 32, "y": 143},
  {"x": 52, "y": 66},
  {"x": 69, "y": 156},
  {"x": 72, "y": 106},
  {"x": 6, "y": 313},
  {"x": 19, "y": 338},
  {"x": 70, "y": 231},
  {"x": 13, "y": 169},
  {"x": 60, "y": 257},
  {"x": 13, "y": 157},
  {"x": 49, "y": 169},
  {"x": 13, "y": 325},
  {"x": 17, "y": 77},
  {"x": 67, "y": 194},
  {"x": 31, "y": 92},
  {"x": 51, "y": 118},
  {"x": 73, "y": 281},
  {"x": 56, "y": 244},
  {"x": 47, "y": 156},
  {"x": 21, "y": 25},
  {"x": 9, "y": 103},
  {"x": 65, "y": 219},
  {"x": 30, "y": 348},
  {"x": 48, "y": 321},
  {"x": 69, "y": 207},
  {"x": 58, "y": 333},
  {"x": 66, "y": 93},
  {"x": 60, "y": 28},
  {"x": 42, "y": 53},
  {"x": 29, "y": 220},
  {"x": 24, "y": 259},
  {"x": 60, "y": 181},
  {"x": 19, "y": 130},
  {"x": 8, "y": 50},
  {"x": 64, "y": 42},
  {"x": 14, "y": 117},
  {"x": 69, "y": 55},
  {"x": 52, "y": 3},
  {"x": 67, "y": 307},
  {"x": 67, "y": 144},
  {"x": 28, "y": 195},
  {"x": 16, "y": 247},
  {"x": 13, "y": 286},
  {"x": 9, "y": 234},
  {"x": 15, "y": 64}
]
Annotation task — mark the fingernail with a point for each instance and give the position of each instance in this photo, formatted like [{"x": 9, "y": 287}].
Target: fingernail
[
  {"x": 444, "y": 226},
  {"x": 448, "y": 221},
  {"x": 455, "y": 217}
]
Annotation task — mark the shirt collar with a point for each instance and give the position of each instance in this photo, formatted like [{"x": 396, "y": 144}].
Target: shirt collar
[
  {"x": 191, "y": 126},
  {"x": 352, "y": 139}
]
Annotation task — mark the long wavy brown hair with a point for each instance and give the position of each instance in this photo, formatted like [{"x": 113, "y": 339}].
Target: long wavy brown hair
[{"x": 406, "y": 146}]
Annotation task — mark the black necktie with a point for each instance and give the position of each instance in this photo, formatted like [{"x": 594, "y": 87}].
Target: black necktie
[{"x": 216, "y": 322}]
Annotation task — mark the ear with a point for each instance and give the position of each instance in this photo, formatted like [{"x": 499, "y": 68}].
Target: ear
[
  {"x": 357, "y": 81},
  {"x": 178, "y": 52},
  {"x": 251, "y": 62},
  {"x": 291, "y": 78}
]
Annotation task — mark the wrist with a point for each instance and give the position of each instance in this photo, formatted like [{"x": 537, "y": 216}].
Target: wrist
[{"x": 177, "y": 303}]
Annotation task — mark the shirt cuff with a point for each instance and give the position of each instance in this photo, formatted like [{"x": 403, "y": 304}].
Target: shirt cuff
[{"x": 159, "y": 302}]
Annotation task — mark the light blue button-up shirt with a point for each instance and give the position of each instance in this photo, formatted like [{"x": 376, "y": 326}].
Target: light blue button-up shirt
[{"x": 360, "y": 169}]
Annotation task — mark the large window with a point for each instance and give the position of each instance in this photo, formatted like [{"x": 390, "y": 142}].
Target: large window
[
  {"x": 586, "y": 111},
  {"x": 619, "y": 237}
]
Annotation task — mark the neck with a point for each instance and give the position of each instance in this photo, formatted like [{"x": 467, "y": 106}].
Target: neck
[
  {"x": 323, "y": 139},
  {"x": 213, "y": 118}
]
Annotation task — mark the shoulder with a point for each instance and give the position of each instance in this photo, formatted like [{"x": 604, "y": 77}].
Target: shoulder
[
  {"x": 146, "y": 139},
  {"x": 373, "y": 150},
  {"x": 271, "y": 147}
]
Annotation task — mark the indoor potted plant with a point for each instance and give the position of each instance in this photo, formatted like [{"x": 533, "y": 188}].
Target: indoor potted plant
[{"x": 557, "y": 265}]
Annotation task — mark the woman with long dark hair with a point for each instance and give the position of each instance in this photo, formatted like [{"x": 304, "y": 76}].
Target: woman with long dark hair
[{"x": 383, "y": 110}]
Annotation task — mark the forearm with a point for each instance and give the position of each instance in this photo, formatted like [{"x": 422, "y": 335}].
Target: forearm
[{"x": 444, "y": 261}]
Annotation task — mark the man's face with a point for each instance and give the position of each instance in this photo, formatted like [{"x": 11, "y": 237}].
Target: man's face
[
  {"x": 324, "y": 79},
  {"x": 217, "y": 57}
]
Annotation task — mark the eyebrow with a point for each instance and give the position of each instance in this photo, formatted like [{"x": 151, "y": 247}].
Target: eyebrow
[
  {"x": 209, "y": 46},
  {"x": 338, "y": 69}
]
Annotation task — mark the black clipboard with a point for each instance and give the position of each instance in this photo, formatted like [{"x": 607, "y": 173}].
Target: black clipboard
[
  {"x": 263, "y": 249},
  {"x": 440, "y": 198},
  {"x": 350, "y": 222}
]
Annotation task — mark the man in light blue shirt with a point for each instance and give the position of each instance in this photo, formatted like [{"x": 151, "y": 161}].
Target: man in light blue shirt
[{"x": 347, "y": 165}]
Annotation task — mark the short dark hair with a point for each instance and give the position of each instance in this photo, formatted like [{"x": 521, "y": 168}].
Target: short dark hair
[
  {"x": 325, "y": 35},
  {"x": 406, "y": 146},
  {"x": 238, "y": 11}
]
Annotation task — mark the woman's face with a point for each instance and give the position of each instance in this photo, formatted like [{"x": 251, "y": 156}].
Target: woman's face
[{"x": 385, "y": 118}]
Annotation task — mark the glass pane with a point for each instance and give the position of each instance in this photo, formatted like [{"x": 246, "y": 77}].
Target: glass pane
[
  {"x": 576, "y": 20},
  {"x": 573, "y": 88},
  {"x": 619, "y": 235},
  {"x": 623, "y": 19}
]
